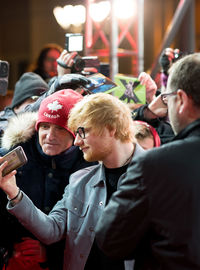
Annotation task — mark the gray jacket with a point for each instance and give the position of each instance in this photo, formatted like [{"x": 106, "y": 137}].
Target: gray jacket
[{"x": 74, "y": 217}]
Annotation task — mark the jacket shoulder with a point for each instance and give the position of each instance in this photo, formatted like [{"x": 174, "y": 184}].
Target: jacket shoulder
[{"x": 76, "y": 176}]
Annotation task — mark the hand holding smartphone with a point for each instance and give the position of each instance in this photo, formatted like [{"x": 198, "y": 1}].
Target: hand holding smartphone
[{"x": 16, "y": 158}]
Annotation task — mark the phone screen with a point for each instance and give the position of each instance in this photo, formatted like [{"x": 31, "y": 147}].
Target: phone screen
[{"x": 16, "y": 158}]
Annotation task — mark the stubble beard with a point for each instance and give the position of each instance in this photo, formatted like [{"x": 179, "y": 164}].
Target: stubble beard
[{"x": 98, "y": 155}]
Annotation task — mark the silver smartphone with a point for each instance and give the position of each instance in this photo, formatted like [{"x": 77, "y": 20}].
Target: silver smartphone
[{"x": 16, "y": 158}]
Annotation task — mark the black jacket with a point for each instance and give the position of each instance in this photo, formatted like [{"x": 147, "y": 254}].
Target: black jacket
[
  {"x": 155, "y": 215},
  {"x": 43, "y": 178}
]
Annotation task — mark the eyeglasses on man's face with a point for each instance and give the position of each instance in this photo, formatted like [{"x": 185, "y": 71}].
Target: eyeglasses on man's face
[
  {"x": 81, "y": 132},
  {"x": 165, "y": 97}
]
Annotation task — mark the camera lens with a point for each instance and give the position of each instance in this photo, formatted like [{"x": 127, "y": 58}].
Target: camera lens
[{"x": 78, "y": 65}]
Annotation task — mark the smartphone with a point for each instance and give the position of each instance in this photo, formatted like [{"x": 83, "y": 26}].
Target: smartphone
[
  {"x": 73, "y": 42},
  {"x": 16, "y": 158}
]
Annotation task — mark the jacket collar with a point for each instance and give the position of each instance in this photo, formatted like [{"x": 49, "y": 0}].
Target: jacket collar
[
  {"x": 191, "y": 130},
  {"x": 98, "y": 177}
]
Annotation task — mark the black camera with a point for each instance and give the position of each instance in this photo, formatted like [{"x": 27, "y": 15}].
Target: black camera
[
  {"x": 74, "y": 43},
  {"x": 4, "y": 72},
  {"x": 85, "y": 62}
]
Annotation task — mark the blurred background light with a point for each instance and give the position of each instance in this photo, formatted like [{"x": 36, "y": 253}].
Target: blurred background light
[
  {"x": 99, "y": 11},
  {"x": 70, "y": 15},
  {"x": 125, "y": 9},
  {"x": 79, "y": 14},
  {"x": 76, "y": 15}
]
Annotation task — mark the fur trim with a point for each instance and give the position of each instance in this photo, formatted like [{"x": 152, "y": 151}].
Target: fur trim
[{"x": 19, "y": 130}]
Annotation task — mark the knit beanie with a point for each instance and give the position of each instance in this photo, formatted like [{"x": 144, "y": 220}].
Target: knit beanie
[
  {"x": 29, "y": 85},
  {"x": 56, "y": 107}
]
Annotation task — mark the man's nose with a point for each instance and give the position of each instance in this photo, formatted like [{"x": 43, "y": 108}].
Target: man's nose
[
  {"x": 78, "y": 140},
  {"x": 51, "y": 134}
]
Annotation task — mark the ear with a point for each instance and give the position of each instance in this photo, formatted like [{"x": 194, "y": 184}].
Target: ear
[
  {"x": 183, "y": 101},
  {"x": 111, "y": 131}
]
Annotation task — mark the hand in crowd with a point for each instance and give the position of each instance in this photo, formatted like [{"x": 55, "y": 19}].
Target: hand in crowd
[
  {"x": 8, "y": 182},
  {"x": 65, "y": 62},
  {"x": 151, "y": 87},
  {"x": 157, "y": 107},
  {"x": 167, "y": 57},
  {"x": 28, "y": 253}
]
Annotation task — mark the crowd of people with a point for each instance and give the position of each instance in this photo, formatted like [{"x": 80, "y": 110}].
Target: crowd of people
[{"x": 106, "y": 183}]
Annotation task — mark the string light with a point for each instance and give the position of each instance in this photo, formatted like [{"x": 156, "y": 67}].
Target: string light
[{"x": 76, "y": 15}]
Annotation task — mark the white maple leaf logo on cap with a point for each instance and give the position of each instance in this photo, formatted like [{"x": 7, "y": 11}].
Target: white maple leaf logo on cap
[{"x": 54, "y": 106}]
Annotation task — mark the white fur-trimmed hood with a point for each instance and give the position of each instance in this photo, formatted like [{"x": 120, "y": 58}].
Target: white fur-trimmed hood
[{"x": 20, "y": 128}]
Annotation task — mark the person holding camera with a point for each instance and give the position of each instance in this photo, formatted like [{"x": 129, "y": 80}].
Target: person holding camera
[
  {"x": 167, "y": 58},
  {"x": 71, "y": 62},
  {"x": 48, "y": 143}
]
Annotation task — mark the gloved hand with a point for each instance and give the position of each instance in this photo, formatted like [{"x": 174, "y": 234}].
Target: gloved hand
[
  {"x": 72, "y": 81},
  {"x": 27, "y": 255}
]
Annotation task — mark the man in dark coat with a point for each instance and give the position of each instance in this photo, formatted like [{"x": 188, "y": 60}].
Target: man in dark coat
[
  {"x": 52, "y": 158},
  {"x": 155, "y": 215}
]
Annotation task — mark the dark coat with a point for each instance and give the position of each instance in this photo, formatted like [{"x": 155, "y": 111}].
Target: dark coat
[
  {"x": 43, "y": 178},
  {"x": 155, "y": 214}
]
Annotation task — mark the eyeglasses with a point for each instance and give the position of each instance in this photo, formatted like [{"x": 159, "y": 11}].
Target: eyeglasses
[
  {"x": 164, "y": 97},
  {"x": 81, "y": 132}
]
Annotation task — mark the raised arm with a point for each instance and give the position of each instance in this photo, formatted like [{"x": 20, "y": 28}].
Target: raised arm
[{"x": 47, "y": 228}]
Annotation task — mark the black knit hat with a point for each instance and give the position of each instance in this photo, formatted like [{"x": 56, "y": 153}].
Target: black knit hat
[{"x": 29, "y": 85}]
